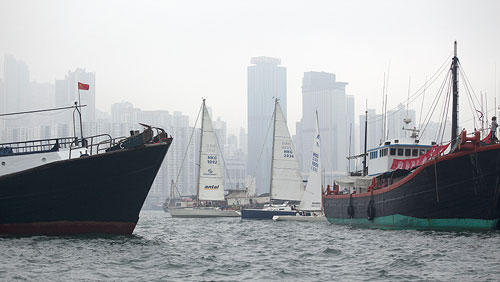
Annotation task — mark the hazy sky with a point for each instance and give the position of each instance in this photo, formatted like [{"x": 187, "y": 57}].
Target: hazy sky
[{"x": 169, "y": 54}]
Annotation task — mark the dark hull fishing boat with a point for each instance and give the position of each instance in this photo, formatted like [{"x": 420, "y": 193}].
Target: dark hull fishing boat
[
  {"x": 459, "y": 190},
  {"x": 55, "y": 187}
]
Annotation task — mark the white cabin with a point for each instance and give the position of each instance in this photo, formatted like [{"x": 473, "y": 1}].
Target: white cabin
[{"x": 380, "y": 159}]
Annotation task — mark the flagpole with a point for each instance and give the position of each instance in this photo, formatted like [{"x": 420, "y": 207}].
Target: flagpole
[{"x": 80, "y": 114}]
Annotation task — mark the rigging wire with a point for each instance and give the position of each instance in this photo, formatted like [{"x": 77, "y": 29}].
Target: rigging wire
[
  {"x": 187, "y": 149},
  {"x": 444, "y": 113},
  {"x": 223, "y": 161},
  {"x": 422, "y": 106},
  {"x": 466, "y": 79},
  {"x": 262, "y": 150},
  {"x": 428, "y": 117},
  {"x": 418, "y": 92}
]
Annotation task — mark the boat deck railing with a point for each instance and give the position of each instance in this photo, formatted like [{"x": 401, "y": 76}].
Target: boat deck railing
[
  {"x": 93, "y": 145},
  {"x": 34, "y": 146},
  {"x": 96, "y": 144}
]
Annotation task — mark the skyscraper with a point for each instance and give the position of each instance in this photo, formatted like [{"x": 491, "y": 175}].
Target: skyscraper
[
  {"x": 18, "y": 94},
  {"x": 16, "y": 89},
  {"x": 322, "y": 92},
  {"x": 266, "y": 80}
]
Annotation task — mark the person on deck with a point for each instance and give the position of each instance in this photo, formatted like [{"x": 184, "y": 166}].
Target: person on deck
[{"x": 494, "y": 126}]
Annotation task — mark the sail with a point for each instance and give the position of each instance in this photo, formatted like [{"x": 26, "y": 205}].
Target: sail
[
  {"x": 311, "y": 199},
  {"x": 211, "y": 183},
  {"x": 286, "y": 180}
]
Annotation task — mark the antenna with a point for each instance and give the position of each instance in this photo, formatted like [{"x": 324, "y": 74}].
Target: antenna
[
  {"x": 407, "y": 120},
  {"x": 386, "y": 91},
  {"x": 383, "y": 103}
]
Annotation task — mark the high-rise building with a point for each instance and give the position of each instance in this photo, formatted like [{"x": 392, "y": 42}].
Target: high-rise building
[
  {"x": 16, "y": 90},
  {"x": 220, "y": 129},
  {"x": 243, "y": 144},
  {"x": 16, "y": 85},
  {"x": 18, "y": 94},
  {"x": 321, "y": 92},
  {"x": 266, "y": 81}
]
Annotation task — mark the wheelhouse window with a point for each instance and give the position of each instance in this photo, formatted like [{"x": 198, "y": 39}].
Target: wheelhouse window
[
  {"x": 414, "y": 153},
  {"x": 383, "y": 152},
  {"x": 407, "y": 152},
  {"x": 422, "y": 151},
  {"x": 400, "y": 152},
  {"x": 392, "y": 151}
]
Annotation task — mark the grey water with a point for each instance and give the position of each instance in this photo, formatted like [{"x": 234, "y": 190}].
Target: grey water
[{"x": 230, "y": 249}]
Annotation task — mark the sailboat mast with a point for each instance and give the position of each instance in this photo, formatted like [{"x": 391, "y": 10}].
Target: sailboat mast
[
  {"x": 454, "y": 114},
  {"x": 272, "y": 150},
  {"x": 199, "y": 154},
  {"x": 365, "y": 169},
  {"x": 319, "y": 164}
]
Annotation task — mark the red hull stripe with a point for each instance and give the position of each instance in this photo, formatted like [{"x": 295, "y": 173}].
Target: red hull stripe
[
  {"x": 417, "y": 171},
  {"x": 67, "y": 228}
]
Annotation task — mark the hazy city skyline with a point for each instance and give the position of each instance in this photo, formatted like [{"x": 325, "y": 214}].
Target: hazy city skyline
[{"x": 153, "y": 53}]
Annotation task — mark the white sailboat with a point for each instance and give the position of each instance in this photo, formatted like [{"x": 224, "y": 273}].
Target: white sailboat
[
  {"x": 286, "y": 179},
  {"x": 210, "y": 186},
  {"x": 310, "y": 208}
]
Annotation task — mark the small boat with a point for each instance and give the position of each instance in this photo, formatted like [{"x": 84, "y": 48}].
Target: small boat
[
  {"x": 310, "y": 208},
  {"x": 65, "y": 186},
  {"x": 286, "y": 179},
  {"x": 201, "y": 212},
  {"x": 210, "y": 188}
]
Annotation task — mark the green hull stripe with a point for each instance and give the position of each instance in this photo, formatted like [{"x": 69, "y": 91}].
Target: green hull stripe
[{"x": 398, "y": 221}]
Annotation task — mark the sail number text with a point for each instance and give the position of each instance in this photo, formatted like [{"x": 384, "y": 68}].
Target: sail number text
[
  {"x": 212, "y": 160},
  {"x": 287, "y": 150},
  {"x": 315, "y": 162}
]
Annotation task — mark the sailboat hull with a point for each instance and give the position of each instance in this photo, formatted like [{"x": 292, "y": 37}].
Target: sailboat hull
[
  {"x": 201, "y": 212},
  {"x": 264, "y": 214},
  {"x": 457, "y": 191}
]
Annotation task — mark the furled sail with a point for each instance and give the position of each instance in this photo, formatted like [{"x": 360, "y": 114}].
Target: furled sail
[
  {"x": 211, "y": 183},
  {"x": 286, "y": 180},
  {"x": 311, "y": 199}
]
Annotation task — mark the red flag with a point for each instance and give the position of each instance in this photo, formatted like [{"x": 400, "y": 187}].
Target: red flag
[{"x": 83, "y": 86}]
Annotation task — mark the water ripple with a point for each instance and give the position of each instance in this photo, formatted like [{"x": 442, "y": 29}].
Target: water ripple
[{"x": 230, "y": 249}]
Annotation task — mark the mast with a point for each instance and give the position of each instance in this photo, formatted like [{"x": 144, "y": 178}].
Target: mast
[
  {"x": 199, "y": 154},
  {"x": 272, "y": 150},
  {"x": 454, "y": 114},
  {"x": 350, "y": 140},
  {"x": 365, "y": 169},
  {"x": 171, "y": 203}
]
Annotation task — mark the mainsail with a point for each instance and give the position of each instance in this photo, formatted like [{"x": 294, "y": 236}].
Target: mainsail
[
  {"x": 286, "y": 180},
  {"x": 211, "y": 184},
  {"x": 311, "y": 199}
]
